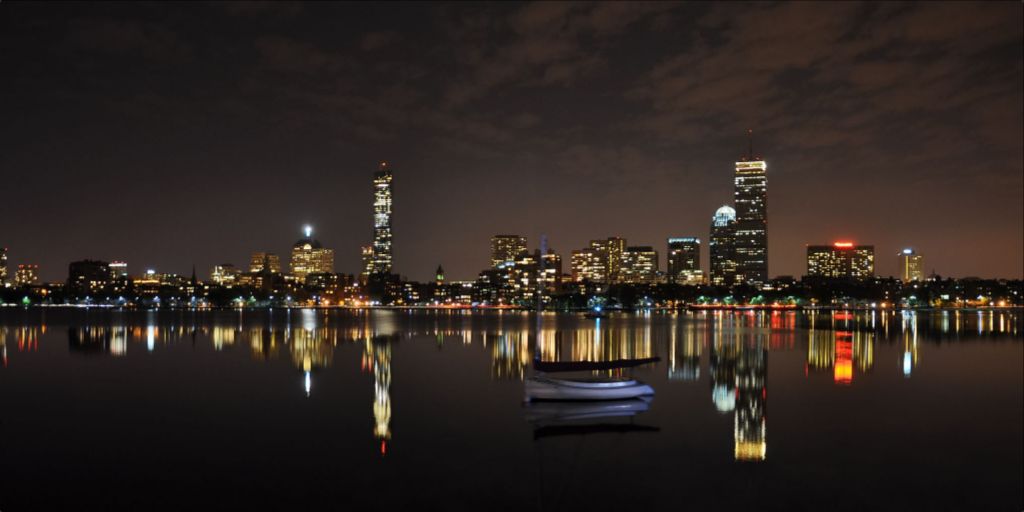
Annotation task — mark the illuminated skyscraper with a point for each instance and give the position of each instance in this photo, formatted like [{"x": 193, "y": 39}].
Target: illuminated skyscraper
[
  {"x": 751, "y": 200},
  {"x": 601, "y": 262},
  {"x": 639, "y": 265},
  {"x": 381, "y": 257},
  {"x": 309, "y": 257},
  {"x": 27, "y": 275},
  {"x": 683, "y": 259},
  {"x": 841, "y": 260},
  {"x": 911, "y": 266},
  {"x": 722, "y": 247},
  {"x": 506, "y": 249},
  {"x": 3, "y": 265}
]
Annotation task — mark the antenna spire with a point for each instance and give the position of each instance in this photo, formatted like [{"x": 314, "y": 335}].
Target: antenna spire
[{"x": 750, "y": 143}]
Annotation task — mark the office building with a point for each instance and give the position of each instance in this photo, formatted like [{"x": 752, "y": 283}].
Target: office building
[
  {"x": 751, "y": 203},
  {"x": 3, "y": 265},
  {"x": 588, "y": 265},
  {"x": 27, "y": 275},
  {"x": 639, "y": 265},
  {"x": 88, "y": 277},
  {"x": 506, "y": 249},
  {"x": 264, "y": 260},
  {"x": 722, "y": 247},
  {"x": 310, "y": 257},
  {"x": 684, "y": 260},
  {"x": 841, "y": 260},
  {"x": 381, "y": 257},
  {"x": 911, "y": 266}
]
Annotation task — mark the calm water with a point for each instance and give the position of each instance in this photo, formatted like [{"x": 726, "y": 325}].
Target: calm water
[{"x": 402, "y": 410}]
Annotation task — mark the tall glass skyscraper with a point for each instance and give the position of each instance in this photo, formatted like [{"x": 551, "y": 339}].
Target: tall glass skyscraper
[
  {"x": 722, "y": 247},
  {"x": 751, "y": 198},
  {"x": 381, "y": 259}
]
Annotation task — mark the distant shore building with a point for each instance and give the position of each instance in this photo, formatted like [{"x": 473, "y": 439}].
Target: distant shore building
[
  {"x": 27, "y": 275},
  {"x": 600, "y": 262},
  {"x": 224, "y": 274},
  {"x": 264, "y": 260},
  {"x": 841, "y": 260},
  {"x": 506, "y": 249},
  {"x": 88, "y": 277},
  {"x": 639, "y": 265},
  {"x": 911, "y": 266},
  {"x": 3, "y": 265},
  {"x": 722, "y": 247},
  {"x": 310, "y": 257},
  {"x": 684, "y": 260}
]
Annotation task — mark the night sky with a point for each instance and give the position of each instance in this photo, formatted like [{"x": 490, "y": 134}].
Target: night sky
[{"x": 169, "y": 135}]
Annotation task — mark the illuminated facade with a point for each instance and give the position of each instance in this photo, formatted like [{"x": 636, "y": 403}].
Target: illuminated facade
[
  {"x": 506, "y": 249},
  {"x": 911, "y": 266},
  {"x": 722, "y": 247},
  {"x": 261, "y": 260},
  {"x": 309, "y": 257},
  {"x": 601, "y": 262},
  {"x": 27, "y": 275},
  {"x": 751, "y": 198},
  {"x": 3, "y": 265},
  {"x": 683, "y": 259},
  {"x": 639, "y": 265},
  {"x": 88, "y": 277},
  {"x": 224, "y": 274},
  {"x": 841, "y": 260},
  {"x": 381, "y": 256}
]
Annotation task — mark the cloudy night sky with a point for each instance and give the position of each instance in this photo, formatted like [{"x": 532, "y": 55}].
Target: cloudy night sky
[{"x": 169, "y": 135}]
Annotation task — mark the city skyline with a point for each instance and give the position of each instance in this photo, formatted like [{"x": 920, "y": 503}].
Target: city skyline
[{"x": 132, "y": 135}]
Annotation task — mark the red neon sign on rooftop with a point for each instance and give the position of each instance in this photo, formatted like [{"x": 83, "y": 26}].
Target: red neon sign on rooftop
[{"x": 844, "y": 245}]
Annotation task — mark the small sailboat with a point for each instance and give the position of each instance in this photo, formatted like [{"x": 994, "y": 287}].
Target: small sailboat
[{"x": 543, "y": 387}]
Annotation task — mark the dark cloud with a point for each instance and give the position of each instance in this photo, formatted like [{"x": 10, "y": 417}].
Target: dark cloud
[{"x": 200, "y": 134}]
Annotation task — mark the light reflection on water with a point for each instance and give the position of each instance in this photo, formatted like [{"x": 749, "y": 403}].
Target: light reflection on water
[{"x": 730, "y": 349}]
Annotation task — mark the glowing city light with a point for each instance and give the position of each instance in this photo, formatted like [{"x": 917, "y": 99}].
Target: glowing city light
[{"x": 844, "y": 245}]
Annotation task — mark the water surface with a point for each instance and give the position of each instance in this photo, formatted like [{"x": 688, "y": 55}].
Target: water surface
[{"x": 393, "y": 410}]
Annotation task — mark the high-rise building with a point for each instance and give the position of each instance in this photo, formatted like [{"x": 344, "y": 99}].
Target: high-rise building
[
  {"x": 911, "y": 266},
  {"x": 683, "y": 259},
  {"x": 588, "y": 265},
  {"x": 27, "y": 275},
  {"x": 639, "y": 265},
  {"x": 722, "y": 247},
  {"x": 118, "y": 270},
  {"x": 506, "y": 249},
  {"x": 381, "y": 221},
  {"x": 751, "y": 200},
  {"x": 309, "y": 257},
  {"x": 841, "y": 260},
  {"x": 261, "y": 260},
  {"x": 3, "y": 265}
]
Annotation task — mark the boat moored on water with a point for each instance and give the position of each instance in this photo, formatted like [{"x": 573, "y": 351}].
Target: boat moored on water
[{"x": 585, "y": 388}]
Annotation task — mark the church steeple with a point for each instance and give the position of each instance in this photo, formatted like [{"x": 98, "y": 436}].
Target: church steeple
[{"x": 439, "y": 275}]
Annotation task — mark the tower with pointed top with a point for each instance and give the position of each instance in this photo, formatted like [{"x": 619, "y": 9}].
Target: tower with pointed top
[
  {"x": 381, "y": 255},
  {"x": 751, "y": 229}
]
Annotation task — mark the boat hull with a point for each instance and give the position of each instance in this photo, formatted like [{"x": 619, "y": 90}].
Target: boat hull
[{"x": 543, "y": 388}]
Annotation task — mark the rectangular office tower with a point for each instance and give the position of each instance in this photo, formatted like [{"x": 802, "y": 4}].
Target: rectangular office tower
[
  {"x": 751, "y": 202},
  {"x": 381, "y": 256},
  {"x": 684, "y": 260},
  {"x": 911, "y": 266},
  {"x": 506, "y": 249},
  {"x": 841, "y": 260}
]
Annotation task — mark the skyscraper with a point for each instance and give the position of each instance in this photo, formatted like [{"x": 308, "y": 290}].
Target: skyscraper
[
  {"x": 722, "y": 247},
  {"x": 3, "y": 265},
  {"x": 381, "y": 257},
  {"x": 309, "y": 257},
  {"x": 684, "y": 260},
  {"x": 261, "y": 260},
  {"x": 911, "y": 266},
  {"x": 841, "y": 260},
  {"x": 750, "y": 198},
  {"x": 601, "y": 262},
  {"x": 506, "y": 249}
]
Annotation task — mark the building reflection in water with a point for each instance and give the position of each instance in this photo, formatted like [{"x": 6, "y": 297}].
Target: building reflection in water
[
  {"x": 738, "y": 365},
  {"x": 684, "y": 352},
  {"x": 840, "y": 349},
  {"x": 377, "y": 359},
  {"x": 910, "y": 339}
]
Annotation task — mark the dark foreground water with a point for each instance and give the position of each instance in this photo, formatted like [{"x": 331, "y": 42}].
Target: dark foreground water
[{"x": 423, "y": 410}]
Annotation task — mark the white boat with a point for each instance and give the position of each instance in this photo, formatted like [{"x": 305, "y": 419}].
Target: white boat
[
  {"x": 603, "y": 388},
  {"x": 555, "y": 411}
]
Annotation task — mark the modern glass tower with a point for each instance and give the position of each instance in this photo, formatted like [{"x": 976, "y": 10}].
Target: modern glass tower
[
  {"x": 722, "y": 247},
  {"x": 751, "y": 201},
  {"x": 381, "y": 259}
]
